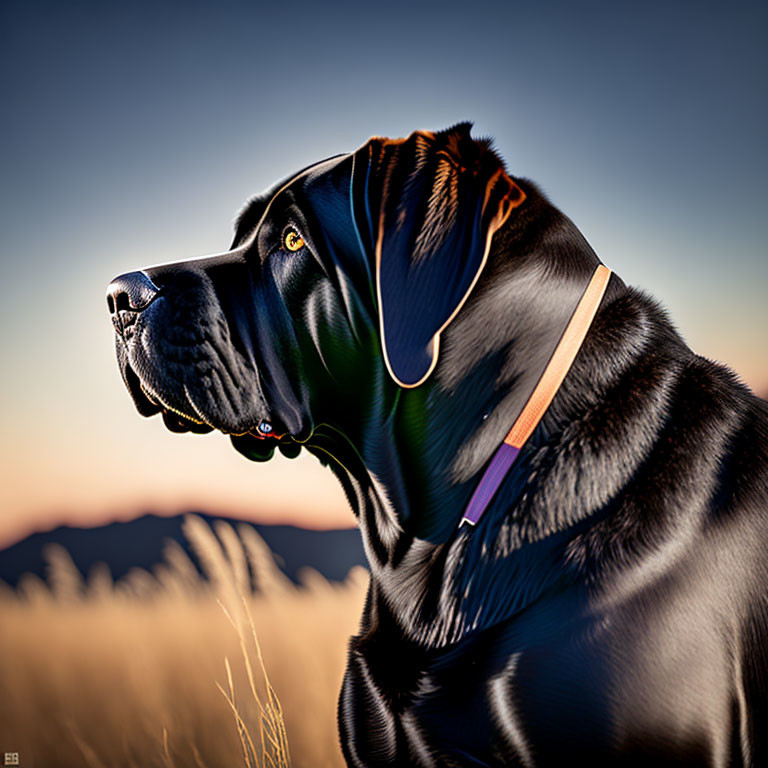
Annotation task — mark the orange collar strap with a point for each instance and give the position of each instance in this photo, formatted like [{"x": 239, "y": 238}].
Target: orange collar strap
[{"x": 546, "y": 388}]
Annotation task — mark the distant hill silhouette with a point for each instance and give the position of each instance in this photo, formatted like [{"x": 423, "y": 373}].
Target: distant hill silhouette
[{"x": 139, "y": 543}]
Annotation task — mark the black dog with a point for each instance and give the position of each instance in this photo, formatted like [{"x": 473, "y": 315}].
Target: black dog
[{"x": 391, "y": 311}]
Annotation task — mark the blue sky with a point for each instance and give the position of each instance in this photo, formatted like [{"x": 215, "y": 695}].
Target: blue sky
[{"x": 133, "y": 133}]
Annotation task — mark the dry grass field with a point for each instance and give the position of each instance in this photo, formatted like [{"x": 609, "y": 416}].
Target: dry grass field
[{"x": 165, "y": 669}]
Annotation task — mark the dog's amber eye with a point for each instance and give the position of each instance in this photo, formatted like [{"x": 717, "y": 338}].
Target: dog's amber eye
[{"x": 292, "y": 240}]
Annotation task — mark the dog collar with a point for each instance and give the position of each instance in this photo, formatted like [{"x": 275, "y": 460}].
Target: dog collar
[{"x": 544, "y": 391}]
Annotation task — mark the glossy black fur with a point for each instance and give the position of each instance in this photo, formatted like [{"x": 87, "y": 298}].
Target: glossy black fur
[{"x": 611, "y": 608}]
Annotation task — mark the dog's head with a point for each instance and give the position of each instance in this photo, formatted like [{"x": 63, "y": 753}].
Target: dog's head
[{"x": 339, "y": 282}]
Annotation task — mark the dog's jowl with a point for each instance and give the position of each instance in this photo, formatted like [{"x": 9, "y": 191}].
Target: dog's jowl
[{"x": 447, "y": 342}]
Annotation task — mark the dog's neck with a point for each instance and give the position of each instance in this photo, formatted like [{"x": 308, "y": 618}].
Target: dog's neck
[{"x": 411, "y": 462}]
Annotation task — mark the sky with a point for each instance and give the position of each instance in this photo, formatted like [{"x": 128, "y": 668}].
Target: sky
[{"x": 133, "y": 133}]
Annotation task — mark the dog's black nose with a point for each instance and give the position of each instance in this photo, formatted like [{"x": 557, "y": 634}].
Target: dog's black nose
[{"x": 127, "y": 295}]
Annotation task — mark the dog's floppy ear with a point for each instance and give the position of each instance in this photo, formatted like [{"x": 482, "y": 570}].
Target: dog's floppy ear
[{"x": 426, "y": 207}]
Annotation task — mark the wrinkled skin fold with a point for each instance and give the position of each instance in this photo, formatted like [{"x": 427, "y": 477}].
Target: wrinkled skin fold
[{"x": 611, "y": 605}]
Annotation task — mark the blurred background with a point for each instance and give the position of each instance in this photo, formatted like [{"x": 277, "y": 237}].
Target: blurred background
[{"x": 132, "y": 133}]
